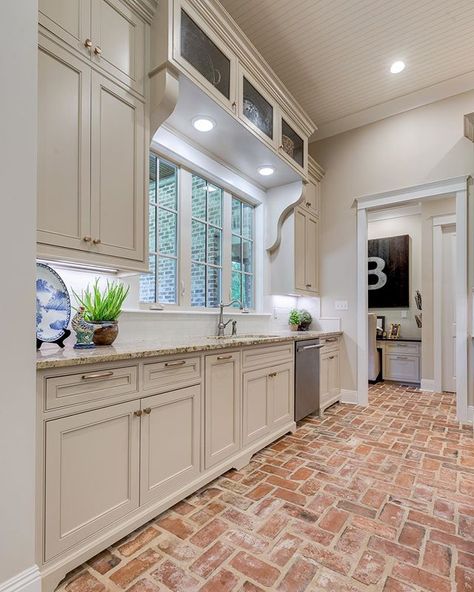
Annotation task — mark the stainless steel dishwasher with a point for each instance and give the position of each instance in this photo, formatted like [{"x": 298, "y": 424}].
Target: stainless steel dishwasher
[{"x": 306, "y": 377}]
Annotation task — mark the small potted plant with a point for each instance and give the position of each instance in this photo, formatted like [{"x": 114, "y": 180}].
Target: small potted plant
[
  {"x": 102, "y": 308},
  {"x": 305, "y": 320},
  {"x": 294, "y": 319}
]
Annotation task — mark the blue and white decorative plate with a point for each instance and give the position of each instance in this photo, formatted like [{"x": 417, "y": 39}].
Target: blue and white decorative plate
[{"x": 53, "y": 306}]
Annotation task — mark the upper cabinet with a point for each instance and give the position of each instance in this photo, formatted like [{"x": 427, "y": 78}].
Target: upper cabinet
[
  {"x": 92, "y": 133},
  {"x": 200, "y": 40}
]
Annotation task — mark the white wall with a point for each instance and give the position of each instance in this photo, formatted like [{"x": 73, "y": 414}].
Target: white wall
[
  {"x": 410, "y": 225},
  {"x": 422, "y": 145},
  {"x": 18, "y": 56}
]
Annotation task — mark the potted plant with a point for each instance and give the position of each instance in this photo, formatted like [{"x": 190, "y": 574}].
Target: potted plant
[
  {"x": 102, "y": 308},
  {"x": 294, "y": 319},
  {"x": 305, "y": 320}
]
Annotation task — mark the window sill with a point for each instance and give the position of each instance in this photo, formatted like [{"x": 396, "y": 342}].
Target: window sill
[{"x": 188, "y": 312}]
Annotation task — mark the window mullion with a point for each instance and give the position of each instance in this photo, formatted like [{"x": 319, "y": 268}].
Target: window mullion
[
  {"x": 184, "y": 234},
  {"x": 227, "y": 246}
]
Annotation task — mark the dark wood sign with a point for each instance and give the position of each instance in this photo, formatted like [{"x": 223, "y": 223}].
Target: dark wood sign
[{"x": 389, "y": 272}]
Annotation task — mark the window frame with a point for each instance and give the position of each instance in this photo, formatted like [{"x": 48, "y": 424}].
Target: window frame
[
  {"x": 252, "y": 241},
  {"x": 184, "y": 239}
]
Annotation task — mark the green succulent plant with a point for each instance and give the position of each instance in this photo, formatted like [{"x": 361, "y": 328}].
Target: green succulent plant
[
  {"x": 105, "y": 305},
  {"x": 295, "y": 317}
]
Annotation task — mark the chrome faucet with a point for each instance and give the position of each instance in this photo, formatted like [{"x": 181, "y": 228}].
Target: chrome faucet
[{"x": 221, "y": 325}]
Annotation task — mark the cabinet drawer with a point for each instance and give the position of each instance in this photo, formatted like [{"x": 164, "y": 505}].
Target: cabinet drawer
[
  {"x": 267, "y": 356},
  {"x": 406, "y": 348},
  {"x": 402, "y": 368},
  {"x": 92, "y": 385},
  {"x": 329, "y": 343},
  {"x": 170, "y": 374}
]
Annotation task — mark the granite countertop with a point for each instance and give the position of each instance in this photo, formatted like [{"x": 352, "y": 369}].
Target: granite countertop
[{"x": 50, "y": 356}]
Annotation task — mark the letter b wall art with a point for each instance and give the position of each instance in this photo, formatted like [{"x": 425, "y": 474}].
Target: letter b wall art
[{"x": 389, "y": 272}]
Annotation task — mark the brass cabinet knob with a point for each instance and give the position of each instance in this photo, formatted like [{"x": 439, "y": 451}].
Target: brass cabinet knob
[
  {"x": 272, "y": 375},
  {"x": 308, "y": 285},
  {"x": 97, "y": 241},
  {"x": 308, "y": 203},
  {"x": 97, "y": 50},
  {"x": 147, "y": 410},
  {"x": 87, "y": 239},
  {"x": 138, "y": 413},
  {"x": 88, "y": 43}
]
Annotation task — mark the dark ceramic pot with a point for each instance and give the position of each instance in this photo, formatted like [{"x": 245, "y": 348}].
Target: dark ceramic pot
[{"x": 106, "y": 332}]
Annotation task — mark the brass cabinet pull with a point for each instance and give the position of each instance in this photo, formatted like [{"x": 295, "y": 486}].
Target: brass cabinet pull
[
  {"x": 88, "y": 43},
  {"x": 147, "y": 410},
  {"x": 97, "y": 375},
  {"x": 87, "y": 239},
  {"x": 331, "y": 339},
  {"x": 97, "y": 241},
  {"x": 228, "y": 357},
  {"x": 401, "y": 358},
  {"x": 308, "y": 203},
  {"x": 138, "y": 413},
  {"x": 332, "y": 357},
  {"x": 97, "y": 50},
  {"x": 178, "y": 363}
]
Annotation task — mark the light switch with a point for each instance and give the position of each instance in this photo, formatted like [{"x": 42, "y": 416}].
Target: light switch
[{"x": 341, "y": 305}]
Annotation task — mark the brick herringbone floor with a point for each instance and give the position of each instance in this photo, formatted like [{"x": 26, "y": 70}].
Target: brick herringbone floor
[{"x": 370, "y": 499}]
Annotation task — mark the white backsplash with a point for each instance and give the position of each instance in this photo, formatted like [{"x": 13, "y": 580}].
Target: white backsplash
[{"x": 146, "y": 324}]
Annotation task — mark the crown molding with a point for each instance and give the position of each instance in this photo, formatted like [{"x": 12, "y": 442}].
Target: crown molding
[
  {"x": 145, "y": 8},
  {"x": 315, "y": 170}
]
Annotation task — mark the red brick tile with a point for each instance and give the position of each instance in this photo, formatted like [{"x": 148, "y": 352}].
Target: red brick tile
[
  {"x": 284, "y": 549},
  {"x": 299, "y": 576},
  {"x": 276, "y": 471},
  {"x": 422, "y": 578},
  {"x": 464, "y": 580},
  {"x": 437, "y": 558},
  {"x": 310, "y": 487},
  {"x": 374, "y": 527},
  {"x": 85, "y": 582},
  {"x": 260, "y": 491},
  {"x": 354, "y": 508},
  {"x": 321, "y": 502},
  {"x": 466, "y": 527},
  {"x": 328, "y": 581},
  {"x": 394, "y": 550},
  {"x": 450, "y": 539},
  {"x": 175, "y": 578},
  {"x": 223, "y": 581},
  {"x": 392, "y": 585},
  {"x": 249, "y": 587},
  {"x": 392, "y": 514},
  {"x": 134, "y": 568},
  {"x": 180, "y": 550},
  {"x": 246, "y": 540},
  {"x": 209, "y": 533},
  {"x": 211, "y": 559},
  {"x": 427, "y": 520},
  {"x": 412, "y": 535},
  {"x": 274, "y": 525},
  {"x": 176, "y": 526},
  {"x": 290, "y": 496},
  {"x": 333, "y": 520},
  {"x": 104, "y": 562},
  {"x": 326, "y": 557},
  {"x": 242, "y": 503},
  {"x": 443, "y": 509},
  {"x": 284, "y": 483},
  {"x": 139, "y": 541},
  {"x": 466, "y": 560},
  {"x": 256, "y": 569},
  {"x": 144, "y": 586},
  {"x": 374, "y": 498},
  {"x": 351, "y": 540},
  {"x": 183, "y": 508},
  {"x": 302, "y": 474},
  {"x": 370, "y": 568}
]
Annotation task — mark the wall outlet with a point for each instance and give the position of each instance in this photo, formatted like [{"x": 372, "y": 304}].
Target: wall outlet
[
  {"x": 404, "y": 314},
  {"x": 341, "y": 305}
]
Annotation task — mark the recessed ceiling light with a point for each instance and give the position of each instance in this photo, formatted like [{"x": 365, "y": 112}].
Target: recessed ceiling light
[
  {"x": 397, "y": 67},
  {"x": 203, "y": 124},
  {"x": 265, "y": 171}
]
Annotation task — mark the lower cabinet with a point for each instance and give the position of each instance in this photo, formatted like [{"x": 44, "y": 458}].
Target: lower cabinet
[
  {"x": 91, "y": 474},
  {"x": 268, "y": 401},
  {"x": 222, "y": 406},
  {"x": 401, "y": 368},
  {"x": 330, "y": 381},
  {"x": 170, "y": 437}
]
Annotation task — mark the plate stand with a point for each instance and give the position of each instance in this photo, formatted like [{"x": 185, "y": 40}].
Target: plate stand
[{"x": 59, "y": 342}]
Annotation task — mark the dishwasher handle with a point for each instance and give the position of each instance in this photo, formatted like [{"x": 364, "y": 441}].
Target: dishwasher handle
[{"x": 304, "y": 348}]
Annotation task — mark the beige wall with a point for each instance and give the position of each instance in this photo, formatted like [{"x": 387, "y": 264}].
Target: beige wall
[
  {"x": 18, "y": 56},
  {"x": 410, "y": 225},
  {"x": 429, "y": 209},
  {"x": 422, "y": 145}
]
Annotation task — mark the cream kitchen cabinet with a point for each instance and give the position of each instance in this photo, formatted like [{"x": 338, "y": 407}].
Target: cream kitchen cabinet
[
  {"x": 330, "y": 380},
  {"x": 222, "y": 406},
  {"x": 268, "y": 401},
  {"x": 91, "y": 474},
  {"x": 107, "y": 32},
  {"x": 170, "y": 442}
]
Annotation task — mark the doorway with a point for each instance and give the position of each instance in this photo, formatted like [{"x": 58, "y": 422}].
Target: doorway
[{"x": 456, "y": 187}]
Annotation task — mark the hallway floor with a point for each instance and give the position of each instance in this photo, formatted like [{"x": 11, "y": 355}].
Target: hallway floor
[{"x": 374, "y": 499}]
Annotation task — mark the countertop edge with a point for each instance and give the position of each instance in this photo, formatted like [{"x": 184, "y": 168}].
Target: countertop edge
[{"x": 107, "y": 354}]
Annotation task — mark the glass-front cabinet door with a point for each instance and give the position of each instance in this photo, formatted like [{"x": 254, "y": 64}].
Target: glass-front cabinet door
[
  {"x": 206, "y": 56},
  {"x": 293, "y": 145},
  {"x": 255, "y": 108}
]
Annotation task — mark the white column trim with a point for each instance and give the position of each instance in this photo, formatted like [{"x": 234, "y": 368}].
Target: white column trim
[
  {"x": 26, "y": 581},
  {"x": 437, "y": 307},
  {"x": 362, "y": 307}
]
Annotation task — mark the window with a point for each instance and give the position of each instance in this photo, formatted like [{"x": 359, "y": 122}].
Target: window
[
  {"x": 200, "y": 238},
  {"x": 160, "y": 285},
  {"x": 243, "y": 253},
  {"x": 206, "y": 243}
]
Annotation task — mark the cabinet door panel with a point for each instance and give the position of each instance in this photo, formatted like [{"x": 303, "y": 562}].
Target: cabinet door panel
[
  {"x": 64, "y": 148},
  {"x": 324, "y": 378},
  {"x": 118, "y": 170},
  {"x": 69, "y": 20},
  {"x": 256, "y": 405},
  {"x": 300, "y": 250},
  {"x": 311, "y": 260},
  {"x": 334, "y": 374},
  {"x": 92, "y": 463},
  {"x": 222, "y": 407},
  {"x": 312, "y": 197},
  {"x": 282, "y": 395},
  {"x": 120, "y": 35},
  {"x": 170, "y": 442}
]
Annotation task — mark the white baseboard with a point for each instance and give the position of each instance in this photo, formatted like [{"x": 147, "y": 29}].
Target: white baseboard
[
  {"x": 427, "y": 384},
  {"x": 26, "y": 581},
  {"x": 348, "y": 396},
  {"x": 470, "y": 414}
]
